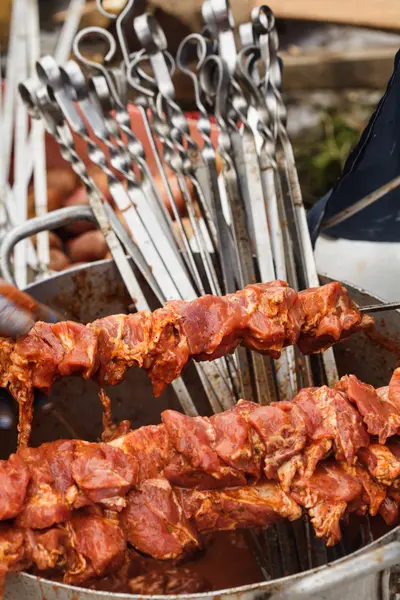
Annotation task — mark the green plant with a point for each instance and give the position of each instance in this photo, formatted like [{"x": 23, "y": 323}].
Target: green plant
[{"x": 321, "y": 153}]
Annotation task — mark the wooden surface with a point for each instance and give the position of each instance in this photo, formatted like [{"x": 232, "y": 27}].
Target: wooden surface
[
  {"x": 323, "y": 70},
  {"x": 5, "y": 15},
  {"x": 365, "y": 68},
  {"x": 90, "y": 8},
  {"x": 380, "y": 14}
]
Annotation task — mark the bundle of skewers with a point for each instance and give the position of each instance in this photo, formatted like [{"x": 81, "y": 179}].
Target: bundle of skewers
[
  {"x": 26, "y": 189},
  {"x": 244, "y": 223}
]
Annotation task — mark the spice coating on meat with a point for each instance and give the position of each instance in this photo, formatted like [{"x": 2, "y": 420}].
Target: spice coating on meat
[
  {"x": 154, "y": 521},
  {"x": 326, "y": 496},
  {"x": 78, "y": 506},
  {"x": 14, "y": 479},
  {"x": 262, "y": 317},
  {"x": 381, "y": 416},
  {"x": 87, "y": 546},
  {"x": 330, "y": 316},
  {"x": 238, "y": 508},
  {"x": 104, "y": 473}
]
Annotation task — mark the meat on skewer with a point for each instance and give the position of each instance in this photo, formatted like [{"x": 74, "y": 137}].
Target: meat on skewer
[
  {"x": 74, "y": 507},
  {"x": 263, "y": 317}
]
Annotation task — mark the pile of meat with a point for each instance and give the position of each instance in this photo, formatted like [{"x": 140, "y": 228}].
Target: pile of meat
[
  {"x": 262, "y": 317},
  {"x": 79, "y": 242},
  {"x": 75, "y": 508},
  {"x": 77, "y": 511},
  {"x": 82, "y": 242}
]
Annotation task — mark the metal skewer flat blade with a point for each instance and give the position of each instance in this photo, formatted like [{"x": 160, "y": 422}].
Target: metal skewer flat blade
[{"x": 373, "y": 308}]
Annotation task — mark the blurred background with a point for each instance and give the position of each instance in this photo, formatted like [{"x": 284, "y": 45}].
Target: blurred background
[
  {"x": 337, "y": 62},
  {"x": 338, "y": 58}
]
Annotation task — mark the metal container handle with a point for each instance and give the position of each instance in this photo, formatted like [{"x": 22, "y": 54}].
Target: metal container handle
[
  {"x": 367, "y": 563},
  {"x": 48, "y": 222},
  {"x": 60, "y": 218}
]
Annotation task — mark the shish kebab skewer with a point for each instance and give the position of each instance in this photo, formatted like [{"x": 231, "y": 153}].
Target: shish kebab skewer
[
  {"x": 161, "y": 487},
  {"x": 262, "y": 317}
]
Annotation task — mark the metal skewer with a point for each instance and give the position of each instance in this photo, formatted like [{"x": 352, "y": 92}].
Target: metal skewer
[
  {"x": 373, "y": 308},
  {"x": 250, "y": 239},
  {"x": 37, "y": 140},
  {"x": 177, "y": 156},
  {"x": 68, "y": 31},
  {"x": 20, "y": 187},
  {"x": 265, "y": 22},
  {"x": 35, "y": 154},
  {"x": 246, "y": 163},
  {"x": 290, "y": 378},
  {"x": 145, "y": 100},
  {"x": 299, "y": 259},
  {"x": 170, "y": 134},
  {"x": 51, "y": 75},
  {"x": 4, "y": 217},
  {"x": 102, "y": 90},
  {"x": 10, "y": 93},
  {"x": 224, "y": 234},
  {"x": 144, "y": 103},
  {"x": 358, "y": 206},
  {"x": 40, "y": 105},
  {"x": 132, "y": 201}
]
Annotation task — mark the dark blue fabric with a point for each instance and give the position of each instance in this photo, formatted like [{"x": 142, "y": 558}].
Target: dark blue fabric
[{"x": 373, "y": 162}]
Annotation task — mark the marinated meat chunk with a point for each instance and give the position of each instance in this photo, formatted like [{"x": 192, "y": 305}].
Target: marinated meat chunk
[{"x": 263, "y": 317}]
